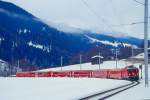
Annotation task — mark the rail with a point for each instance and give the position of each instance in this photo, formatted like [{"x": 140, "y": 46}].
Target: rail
[{"x": 109, "y": 93}]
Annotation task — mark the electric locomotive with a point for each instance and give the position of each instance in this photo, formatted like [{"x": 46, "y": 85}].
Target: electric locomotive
[{"x": 133, "y": 72}]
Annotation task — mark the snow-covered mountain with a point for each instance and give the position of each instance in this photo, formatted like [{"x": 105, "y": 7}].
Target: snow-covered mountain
[
  {"x": 24, "y": 36},
  {"x": 114, "y": 39}
]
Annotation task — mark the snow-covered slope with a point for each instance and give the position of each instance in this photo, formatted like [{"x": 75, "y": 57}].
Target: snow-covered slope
[
  {"x": 116, "y": 36},
  {"x": 93, "y": 40},
  {"x": 107, "y": 42},
  {"x": 114, "y": 41},
  {"x": 39, "y": 46},
  {"x": 89, "y": 66}
]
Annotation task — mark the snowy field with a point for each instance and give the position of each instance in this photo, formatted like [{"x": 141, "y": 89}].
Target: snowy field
[
  {"x": 53, "y": 88},
  {"x": 88, "y": 66},
  {"x": 69, "y": 88},
  {"x": 136, "y": 93}
]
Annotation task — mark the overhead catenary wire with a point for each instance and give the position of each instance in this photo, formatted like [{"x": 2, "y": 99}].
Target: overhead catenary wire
[
  {"x": 98, "y": 16},
  {"x": 138, "y": 2},
  {"x": 115, "y": 14},
  {"x": 110, "y": 27},
  {"x": 130, "y": 24}
]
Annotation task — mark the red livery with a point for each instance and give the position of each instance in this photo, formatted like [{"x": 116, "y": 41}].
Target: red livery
[
  {"x": 82, "y": 73},
  {"x": 129, "y": 73}
]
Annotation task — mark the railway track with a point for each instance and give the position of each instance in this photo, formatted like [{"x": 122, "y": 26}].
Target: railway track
[{"x": 109, "y": 93}]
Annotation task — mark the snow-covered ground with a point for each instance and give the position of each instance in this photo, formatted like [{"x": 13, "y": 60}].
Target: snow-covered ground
[
  {"x": 53, "y": 88},
  {"x": 69, "y": 88},
  {"x": 136, "y": 93},
  {"x": 88, "y": 66}
]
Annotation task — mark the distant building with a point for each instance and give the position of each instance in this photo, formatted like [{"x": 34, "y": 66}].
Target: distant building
[
  {"x": 95, "y": 59},
  {"x": 139, "y": 58},
  {"x": 3, "y": 65},
  {"x": 4, "y": 68}
]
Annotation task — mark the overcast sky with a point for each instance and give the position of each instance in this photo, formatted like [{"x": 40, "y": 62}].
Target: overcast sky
[{"x": 100, "y": 16}]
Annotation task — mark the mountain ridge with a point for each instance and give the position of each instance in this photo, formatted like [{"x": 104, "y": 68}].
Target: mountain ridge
[{"x": 28, "y": 37}]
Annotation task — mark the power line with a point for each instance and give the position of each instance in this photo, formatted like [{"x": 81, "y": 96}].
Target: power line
[
  {"x": 115, "y": 13},
  {"x": 137, "y": 23},
  {"x": 133, "y": 23},
  {"x": 99, "y": 17},
  {"x": 103, "y": 20},
  {"x": 130, "y": 24},
  {"x": 138, "y": 2}
]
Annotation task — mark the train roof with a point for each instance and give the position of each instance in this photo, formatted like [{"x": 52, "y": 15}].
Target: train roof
[{"x": 130, "y": 67}]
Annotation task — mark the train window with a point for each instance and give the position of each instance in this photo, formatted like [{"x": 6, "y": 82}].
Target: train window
[{"x": 133, "y": 72}]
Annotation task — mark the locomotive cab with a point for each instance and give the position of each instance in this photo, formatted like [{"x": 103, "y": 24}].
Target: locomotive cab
[{"x": 133, "y": 73}]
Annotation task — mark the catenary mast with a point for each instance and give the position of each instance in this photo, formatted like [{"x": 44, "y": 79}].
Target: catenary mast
[{"x": 146, "y": 41}]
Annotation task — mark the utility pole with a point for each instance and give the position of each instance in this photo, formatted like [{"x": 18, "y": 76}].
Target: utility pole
[
  {"x": 18, "y": 66},
  {"x": 80, "y": 62},
  {"x": 132, "y": 51},
  {"x": 61, "y": 62},
  {"x": 146, "y": 41},
  {"x": 12, "y": 57},
  {"x": 116, "y": 58},
  {"x": 99, "y": 60}
]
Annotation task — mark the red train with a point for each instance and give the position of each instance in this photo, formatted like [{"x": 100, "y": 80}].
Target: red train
[{"x": 129, "y": 73}]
